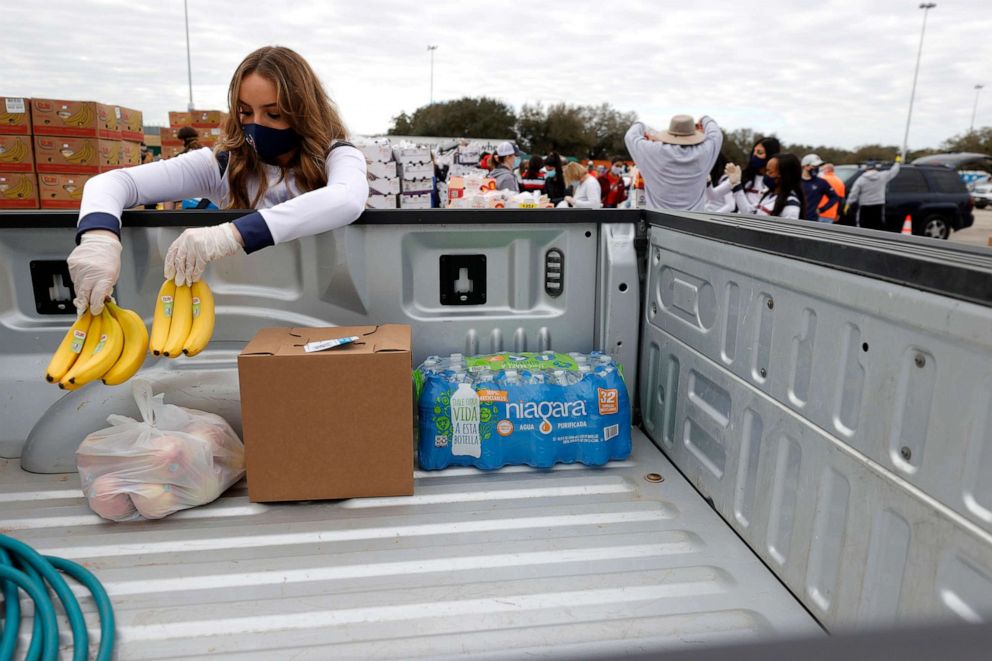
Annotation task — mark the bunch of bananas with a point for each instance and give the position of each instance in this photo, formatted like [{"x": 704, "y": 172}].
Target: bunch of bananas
[
  {"x": 15, "y": 153},
  {"x": 184, "y": 319},
  {"x": 19, "y": 191},
  {"x": 86, "y": 154},
  {"x": 110, "y": 346},
  {"x": 82, "y": 117}
]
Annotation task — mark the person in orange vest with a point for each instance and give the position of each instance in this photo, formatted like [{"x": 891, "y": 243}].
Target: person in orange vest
[{"x": 827, "y": 173}]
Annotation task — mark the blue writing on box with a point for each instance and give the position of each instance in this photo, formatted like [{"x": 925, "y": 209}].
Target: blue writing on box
[{"x": 522, "y": 408}]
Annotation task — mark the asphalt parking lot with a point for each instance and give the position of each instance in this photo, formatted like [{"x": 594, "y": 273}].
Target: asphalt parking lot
[{"x": 978, "y": 234}]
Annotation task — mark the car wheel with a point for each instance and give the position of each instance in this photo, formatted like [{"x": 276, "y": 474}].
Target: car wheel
[
  {"x": 981, "y": 204},
  {"x": 936, "y": 227}
]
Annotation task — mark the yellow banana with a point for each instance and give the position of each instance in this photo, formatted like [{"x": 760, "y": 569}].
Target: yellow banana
[
  {"x": 163, "y": 316},
  {"x": 89, "y": 345},
  {"x": 135, "y": 345},
  {"x": 15, "y": 153},
  {"x": 203, "y": 319},
  {"x": 106, "y": 353},
  {"x": 182, "y": 321},
  {"x": 69, "y": 349}
]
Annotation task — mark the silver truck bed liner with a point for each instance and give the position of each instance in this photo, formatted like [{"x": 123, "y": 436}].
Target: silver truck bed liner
[{"x": 567, "y": 563}]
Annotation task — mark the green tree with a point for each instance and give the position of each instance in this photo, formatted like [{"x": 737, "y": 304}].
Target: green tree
[
  {"x": 979, "y": 140},
  {"x": 467, "y": 117},
  {"x": 608, "y": 126}
]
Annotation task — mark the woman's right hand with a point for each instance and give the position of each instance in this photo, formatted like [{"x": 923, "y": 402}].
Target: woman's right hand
[
  {"x": 94, "y": 266},
  {"x": 733, "y": 173}
]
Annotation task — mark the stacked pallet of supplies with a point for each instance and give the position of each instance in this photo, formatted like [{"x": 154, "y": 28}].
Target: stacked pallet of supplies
[
  {"x": 416, "y": 171},
  {"x": 384, "y": 183},
  {"x": 49, "y": 148},
  {"x": 209, "y": 125}
]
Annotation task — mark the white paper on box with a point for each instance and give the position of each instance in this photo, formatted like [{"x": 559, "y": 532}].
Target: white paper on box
[
  {"x": 382, "y": 170},
  {"x": 417, "y": 185},
  {"x": 324, "y": 345},
  {"x": 384, "y": 186},
  {"x": 15, "y": 105},
  {"x": 381, "y": 202}
]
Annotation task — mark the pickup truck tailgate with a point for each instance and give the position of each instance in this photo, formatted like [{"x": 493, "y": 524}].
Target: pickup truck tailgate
[{"x": 564, "y": 563}]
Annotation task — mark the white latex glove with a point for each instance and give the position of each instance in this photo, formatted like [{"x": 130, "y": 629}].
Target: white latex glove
[
  {"x": 189, "y": 255},
  {"x": 94, "y": 266},
  {"x": 733, "y": 173}
]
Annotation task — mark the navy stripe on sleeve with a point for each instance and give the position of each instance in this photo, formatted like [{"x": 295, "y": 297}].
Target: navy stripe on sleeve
[
  {"x": 254, "y": 232},
  {"x": 98, "y": 220}
]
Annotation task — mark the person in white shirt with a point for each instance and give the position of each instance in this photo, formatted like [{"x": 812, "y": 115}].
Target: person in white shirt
[
  {"x": 783, "y": 196},
  {"x": 719, "y": 198},
  {"x": 283, "y": 154},
  {"x": 754, "y": 176},
  {"x": 587, "y": 192},
  {"x": 675, "y": 163}
]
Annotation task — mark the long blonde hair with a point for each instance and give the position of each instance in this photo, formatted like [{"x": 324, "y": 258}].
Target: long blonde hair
[{"x": 304, "y": 104}]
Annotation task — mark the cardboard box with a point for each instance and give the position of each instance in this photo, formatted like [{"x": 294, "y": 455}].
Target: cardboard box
[
  {"x": 15, "y": 115},
  {"x": 169, "y": 137},
  {"x": 130, "y": 153},
  {"x": 382, "y": 170},
  {"x": 65, "y": 155},
  {"x": 180, "y": 118},
  {"x": 78, "y": 119},
  {"x": 384, "y": 186},
  {"x": 381, "y": 201},
  {"x": 417, "y": 185},
  {"x": 108, "y": 121},
  {"x": 61, "y": 191},
  {"x": 329, "y": 424},
  {"x": 381, "y": 152},
  {"x": 16, "y": 153},
  {"x": 412, "y": 155},
  {"x": 417, "y": 170},
  {"x": 131, "y": 124},
  {"x": 18, "y": 190},
  {"x": 207, "y": 118},
  {"x": 415, "y": 200}
]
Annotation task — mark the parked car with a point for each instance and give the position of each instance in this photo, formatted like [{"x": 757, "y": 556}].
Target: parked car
[
  {"x": 933, "y": 195},
  {"x": 981, "y": 194}
]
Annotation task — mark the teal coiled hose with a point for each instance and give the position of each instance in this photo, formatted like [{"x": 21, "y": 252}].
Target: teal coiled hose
[{"x": 21, "y": 567}]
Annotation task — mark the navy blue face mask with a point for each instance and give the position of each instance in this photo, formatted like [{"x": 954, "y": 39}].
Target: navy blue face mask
[
  {"x": 770, "y": 183},
  {"x": 758, "y": 163},
  {"x": 270, "y": 143}
]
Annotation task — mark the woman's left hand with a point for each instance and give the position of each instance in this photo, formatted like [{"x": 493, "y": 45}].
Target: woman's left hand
[
  {"x": 189, "y": 255},
  {"x": 570, "y": 200}
]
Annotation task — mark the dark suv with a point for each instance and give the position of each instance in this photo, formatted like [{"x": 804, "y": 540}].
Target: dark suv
[{"x": 933, "y": 195}]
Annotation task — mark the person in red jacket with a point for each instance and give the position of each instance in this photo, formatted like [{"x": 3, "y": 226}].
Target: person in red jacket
[{"x": 616, "y": 193}]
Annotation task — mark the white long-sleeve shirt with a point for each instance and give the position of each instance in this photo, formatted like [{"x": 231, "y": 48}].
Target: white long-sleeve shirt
[
  {"x": 675, "y": 175},
  {"x": 766, "y": 204},
  {"x": 588, "y": 194},
  {"x": 284, "y": 212},
  {"x": 720, "y": 198}
]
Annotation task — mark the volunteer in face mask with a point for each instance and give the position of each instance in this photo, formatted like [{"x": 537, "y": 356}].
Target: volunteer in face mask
[
  {"x": 506, "y": 160},
  {"x": 283, "y": 154},
  {"x": 554, "y": 178},
  {"x": 615, "y": 192},
  {"x": 783, "y": 196},
  {"x": 753, "y": 175}
]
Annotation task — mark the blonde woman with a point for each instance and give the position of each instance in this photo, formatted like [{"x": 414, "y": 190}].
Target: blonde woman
[
  {"x": 587, "y": 192},
  {"x": 284, "y": 154}
]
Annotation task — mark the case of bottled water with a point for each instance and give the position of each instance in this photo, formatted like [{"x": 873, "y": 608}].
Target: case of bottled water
[{"x": 537, "y": 409}]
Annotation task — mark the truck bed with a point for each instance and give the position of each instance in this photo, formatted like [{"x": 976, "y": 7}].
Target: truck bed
[{"x": 565, "y": 563}]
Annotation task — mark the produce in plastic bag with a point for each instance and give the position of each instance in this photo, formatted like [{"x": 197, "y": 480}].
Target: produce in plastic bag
[{"x": 176, "y": 458}]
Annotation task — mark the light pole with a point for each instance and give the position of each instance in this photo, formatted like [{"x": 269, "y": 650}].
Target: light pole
[
  {"x": 978, "y": 90},
  {"x": 926, "y": 7},
  {"x": 189, "y": 62},
  {"x": 431, "y": 50}
]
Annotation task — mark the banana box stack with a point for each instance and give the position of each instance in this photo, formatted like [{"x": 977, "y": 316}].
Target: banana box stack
[
  {"x": 208, "y": 124},
  {"x": 18, "y": 185}
]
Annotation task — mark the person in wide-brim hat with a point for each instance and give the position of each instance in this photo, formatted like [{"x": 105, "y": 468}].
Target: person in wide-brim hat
[{"x": 676, "y": 163}]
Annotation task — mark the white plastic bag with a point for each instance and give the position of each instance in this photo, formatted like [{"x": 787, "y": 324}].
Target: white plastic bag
[{"x": 176, "y": 458}]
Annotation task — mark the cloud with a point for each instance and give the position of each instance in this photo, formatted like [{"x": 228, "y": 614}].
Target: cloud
[{"x": 836, "y": 72}]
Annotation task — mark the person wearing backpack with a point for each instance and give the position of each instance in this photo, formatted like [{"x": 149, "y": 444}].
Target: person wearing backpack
[{"x": 284, "y": 154}]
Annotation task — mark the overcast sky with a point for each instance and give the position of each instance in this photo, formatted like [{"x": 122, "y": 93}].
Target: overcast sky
[{"x": 834, "y": 72}]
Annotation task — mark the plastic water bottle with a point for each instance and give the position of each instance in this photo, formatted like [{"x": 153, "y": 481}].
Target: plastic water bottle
[{"x": 465, "y": 422}]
